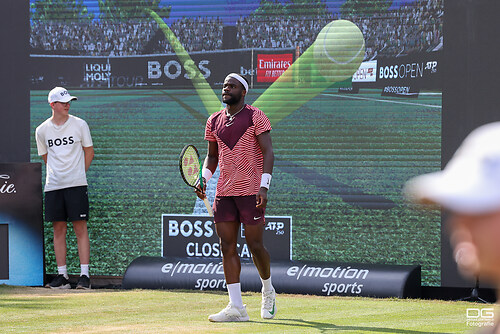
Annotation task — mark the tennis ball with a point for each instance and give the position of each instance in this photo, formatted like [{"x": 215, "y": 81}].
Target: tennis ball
[{"x": 339, "y": 49}]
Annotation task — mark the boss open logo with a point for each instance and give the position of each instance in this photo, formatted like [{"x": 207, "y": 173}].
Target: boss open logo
[{"x": 480, "y": 317}]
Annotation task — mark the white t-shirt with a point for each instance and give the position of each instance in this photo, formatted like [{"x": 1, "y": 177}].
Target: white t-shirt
[{"x": 64, "y": 145}]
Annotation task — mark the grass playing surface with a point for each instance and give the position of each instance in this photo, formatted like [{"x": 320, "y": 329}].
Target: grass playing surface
[
  {"x": 332, "y": 147},
  {"x": 40, "y": 310}
]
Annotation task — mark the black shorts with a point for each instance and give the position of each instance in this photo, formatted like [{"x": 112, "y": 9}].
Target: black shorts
[
  {"x": 238, "y": 209},
  {"x": 68, "y": 204}
]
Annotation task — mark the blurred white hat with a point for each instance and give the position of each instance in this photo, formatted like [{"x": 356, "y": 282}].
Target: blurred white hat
[
  {"x": 60, "y": 94},
  {"x": 470, "y": 182}
]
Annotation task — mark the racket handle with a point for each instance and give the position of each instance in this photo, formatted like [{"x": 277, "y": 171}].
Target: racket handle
[{"x": 209, "y": 208}]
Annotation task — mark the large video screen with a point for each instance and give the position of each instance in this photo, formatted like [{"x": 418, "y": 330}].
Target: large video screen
[{"x": 148, "y": 76}]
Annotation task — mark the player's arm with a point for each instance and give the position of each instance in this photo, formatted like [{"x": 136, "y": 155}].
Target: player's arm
[
  {"x": 212, "y": 158},
  {"x": 41, "y": 146},
  {"x": 266, "y": 146},
  {"x": 89, "y": 156},
  {"x": 210, "y": 163}
]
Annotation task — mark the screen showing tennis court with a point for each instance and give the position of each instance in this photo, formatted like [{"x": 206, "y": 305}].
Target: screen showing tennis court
[{"x": 147, "y": 79}]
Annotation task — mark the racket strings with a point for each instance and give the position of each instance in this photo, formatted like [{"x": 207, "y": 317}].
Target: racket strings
[{"x": 191, "y": 166}]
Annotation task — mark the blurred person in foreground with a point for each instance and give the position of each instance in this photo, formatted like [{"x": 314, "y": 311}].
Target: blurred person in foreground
[{"x": 468, "y": 189}]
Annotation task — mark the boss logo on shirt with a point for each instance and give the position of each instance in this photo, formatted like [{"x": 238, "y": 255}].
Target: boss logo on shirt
[{"x": 61, "y": 141}]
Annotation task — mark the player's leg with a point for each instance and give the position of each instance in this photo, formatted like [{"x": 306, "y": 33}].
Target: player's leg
[
  {"x": 61, "y": 281},
  {"x": 262, "y": 261},
  {"x": 55, "y": 212},
  {"x": 60, "y": 230},
  {"x": 228, "y": 238},
  {"x": 227, "y": 228},
  {"x": 260, "y": 255},
  {"x": 83, "y": 241},
  {"x": 235, "y": 310},
  {"x": 253, "y": 219},
  {"x": 78, "y": 212}
]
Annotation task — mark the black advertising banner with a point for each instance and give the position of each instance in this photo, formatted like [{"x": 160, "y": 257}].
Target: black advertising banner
[
  {"x": 148, "y": 71},
  {"x": 401, "y": 91},
  {"x": 21, "y": 222},
  {"x": 418, "y": 71},
  {"x": 195, "y": 236},
  {"x": 349, "y": 90},
  {"x": 297, "y": 277}
]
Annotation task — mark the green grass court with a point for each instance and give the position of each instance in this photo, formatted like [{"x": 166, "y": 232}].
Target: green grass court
[
  {"x": 363, "y": 142},
  {"x": 40, "y": 310}
]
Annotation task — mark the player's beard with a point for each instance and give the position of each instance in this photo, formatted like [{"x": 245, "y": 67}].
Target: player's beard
[{"x": 232, "y": 99}]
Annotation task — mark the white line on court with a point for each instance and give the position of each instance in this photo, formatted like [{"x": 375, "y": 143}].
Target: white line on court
[{"x": 379, "y": 100}]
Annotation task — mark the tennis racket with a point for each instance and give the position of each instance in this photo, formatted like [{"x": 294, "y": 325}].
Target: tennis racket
[{"x": 190, "y": 168}]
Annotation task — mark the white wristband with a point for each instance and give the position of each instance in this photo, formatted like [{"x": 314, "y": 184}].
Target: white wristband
[
  {"x": 265, "y": 180},
  {"x": 206, "y": 174}
]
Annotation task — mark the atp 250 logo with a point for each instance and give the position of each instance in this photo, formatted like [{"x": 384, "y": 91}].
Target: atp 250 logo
[{"x": 6, "y": 186}]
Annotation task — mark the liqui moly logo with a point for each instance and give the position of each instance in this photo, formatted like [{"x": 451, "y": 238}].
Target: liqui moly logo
[
  {"x": 6, "y": 186},
  {"x": 97, "y": 72}
]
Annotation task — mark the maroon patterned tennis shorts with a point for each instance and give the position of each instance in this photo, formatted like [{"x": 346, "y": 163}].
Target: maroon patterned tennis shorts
[{"x": 238, "y": 209}]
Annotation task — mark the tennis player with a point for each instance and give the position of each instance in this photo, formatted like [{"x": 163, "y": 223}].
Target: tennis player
[
  {"x": 239, "y": 142},
  {"x": 469, "y": 189},
  {"x": 66, "y": 147}
]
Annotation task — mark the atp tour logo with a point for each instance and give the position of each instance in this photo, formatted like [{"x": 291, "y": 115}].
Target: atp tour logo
[
  {"x": 7, "y": 187},
  {"x": 431, "y": 66}
]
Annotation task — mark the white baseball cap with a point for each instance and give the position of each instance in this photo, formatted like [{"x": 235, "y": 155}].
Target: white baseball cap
[
  {"x": 470, "y": 182},
  {"x": 60, "y": 94}
]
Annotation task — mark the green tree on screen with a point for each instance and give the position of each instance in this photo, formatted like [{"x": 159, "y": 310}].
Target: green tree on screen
[
  {"x": 293, "y": 8},
  {"x": 306, "y": 7},
  {"x": 269, "y": 7},
  {"x": 120, "y": 10},
  {"x": 364, "y": 7},
  {"x": 52, "y": 10}
]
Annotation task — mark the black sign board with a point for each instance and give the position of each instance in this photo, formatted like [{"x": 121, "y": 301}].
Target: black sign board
[
  {"x": 195, "y": 236},
  {"x": 21, "y": 232},
  {"x": 297, "y": 277},
  {"x": 4, "y": 251}
]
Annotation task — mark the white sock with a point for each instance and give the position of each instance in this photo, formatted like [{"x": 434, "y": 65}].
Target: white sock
[
  {"x": 63, "y": 270},
  {"x": 84, "y": 270},
  {"x": 266, "y": 284},
  {"x": 234, "y": 291}
]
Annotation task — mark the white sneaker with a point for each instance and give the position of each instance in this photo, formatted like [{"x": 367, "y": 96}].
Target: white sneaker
[
  {"x": 268, "y": 308},
  {"x": 230, "y": 313}
]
